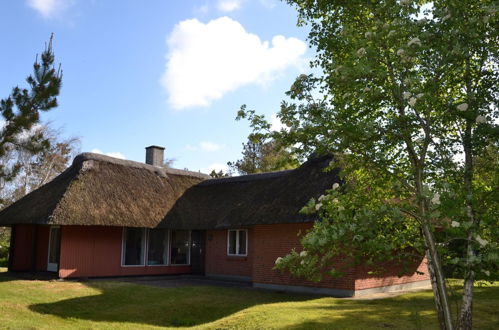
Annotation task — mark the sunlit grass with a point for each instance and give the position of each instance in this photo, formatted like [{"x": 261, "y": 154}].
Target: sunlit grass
[{"x": 104, "y": 305}]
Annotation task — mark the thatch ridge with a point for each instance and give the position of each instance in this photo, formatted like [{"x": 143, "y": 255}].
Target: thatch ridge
[
  {"x": 245, "y": 178},
  {"x": 161, "y": 171}
]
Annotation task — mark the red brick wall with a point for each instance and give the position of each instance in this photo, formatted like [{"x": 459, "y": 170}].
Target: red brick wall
[
  {"x": 217, "y": 260},
  {"x": 96, "y": 251},
  {"x": 273, "y": 241},
  {"x": 23, "y": 249},
  {"x": 365, "y": 281}
]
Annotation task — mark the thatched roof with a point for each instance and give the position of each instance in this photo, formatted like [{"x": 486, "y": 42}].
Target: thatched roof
[
  {"x": 101, "y": 190},
  {"x": 267, "y": 198}
]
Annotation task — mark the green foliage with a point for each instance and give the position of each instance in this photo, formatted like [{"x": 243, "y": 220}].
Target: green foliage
[
  {"x": 21, "y": 112},
  {"x": 220, "y": 174},
  {"x": 4, "y": 245},
  {"x": 408, "y": 105},
  {"x": 262, "y": 153}
]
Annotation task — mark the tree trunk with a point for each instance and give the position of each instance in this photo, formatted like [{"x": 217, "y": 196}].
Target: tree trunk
[
  {"x": 439, "y": 288},
  {"x": 436, "y": 291},
  {"x": 435, "y": 265},
  {"x": 466, "y": 313}
]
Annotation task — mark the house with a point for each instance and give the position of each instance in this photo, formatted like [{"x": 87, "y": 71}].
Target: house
[{"x": 109, "y": 217}]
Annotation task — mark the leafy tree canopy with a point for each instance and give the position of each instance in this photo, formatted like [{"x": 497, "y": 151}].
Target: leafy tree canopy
[{"x": 408, "y": 105}]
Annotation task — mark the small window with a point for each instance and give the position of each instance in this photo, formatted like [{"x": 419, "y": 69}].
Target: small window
[
  {"x": 237, "y": 242},
  {"x": 133, "y": 247},
  {"x": 180, "y": 251},
  {"x": 157, "y": 247}
]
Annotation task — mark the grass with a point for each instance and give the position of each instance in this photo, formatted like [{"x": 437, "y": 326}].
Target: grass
[{"x": 119, "y": 305}]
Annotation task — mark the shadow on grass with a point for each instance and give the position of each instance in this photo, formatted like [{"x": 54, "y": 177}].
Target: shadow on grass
[
  {"x": 174, "y": 307},
  {"x": 112, "y": 301},
  {"x": 6, "y": 276}
]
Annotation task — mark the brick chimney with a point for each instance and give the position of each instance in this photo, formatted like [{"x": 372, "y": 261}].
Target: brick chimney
[{"x": 155, "y": 155}]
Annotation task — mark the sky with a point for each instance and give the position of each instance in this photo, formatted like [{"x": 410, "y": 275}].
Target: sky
[{"x": 158, "y": 72}]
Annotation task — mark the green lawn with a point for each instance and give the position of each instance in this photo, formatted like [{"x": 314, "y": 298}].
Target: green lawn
[{"x": 60, "y": 304}]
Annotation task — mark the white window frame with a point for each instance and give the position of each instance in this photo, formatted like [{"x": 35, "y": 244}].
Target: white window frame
[
  {"x": 168, "y": 248},
  {"x": 237, "y": 243},
  {"x": 144, "y": 247}
]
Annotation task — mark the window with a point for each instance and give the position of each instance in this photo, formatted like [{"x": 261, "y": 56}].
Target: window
[
  {"x": 180, "y": 247},
  {"x": 237, "y": 242},
  {"x": 133, "y": 247},
  {"x": 157, "y": 247}
]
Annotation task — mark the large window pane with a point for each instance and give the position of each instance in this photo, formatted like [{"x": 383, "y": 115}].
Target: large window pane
[
  {"x": 180, "y": 247},
  {"x": 133, "y": 250},
  {"x": 242, "y": 242},
  {"x": 157, "y": 250},
  {"x": 232, "y": 241}
]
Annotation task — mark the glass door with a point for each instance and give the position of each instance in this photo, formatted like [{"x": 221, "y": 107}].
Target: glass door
[{"x": 54, "y": 249}]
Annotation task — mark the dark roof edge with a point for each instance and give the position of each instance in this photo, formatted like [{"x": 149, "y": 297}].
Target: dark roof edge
[
  {"x": 161, "y": 171},
  {"x": 244, "y": 178}
]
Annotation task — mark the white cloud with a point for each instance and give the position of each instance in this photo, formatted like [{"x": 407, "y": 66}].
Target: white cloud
[
  {"x": 276, "y": 124},
  {"x": 191, "y": 147},
  {"x": 210, "y": 146},
  {"x": 216, "y": 167},
  {"x": 205, "y": 146},
  {"x": 205, "y": 61},
  {"x": 229, "y": 5},
  {"x": 49, "y": 8},
  {"x": 110, "y": 154},
  {"x": 269, "y": 3}
]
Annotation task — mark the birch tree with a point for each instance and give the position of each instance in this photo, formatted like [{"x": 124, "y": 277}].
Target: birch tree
[{"x": 408, "y": 101}]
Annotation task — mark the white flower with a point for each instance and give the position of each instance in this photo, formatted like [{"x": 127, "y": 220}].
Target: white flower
[
  {"x": 406, "y": 95},
  {"x": 278, "y": 260},
  {"x": 367, "y": 89},
  {"x": 400, "y": 52},
  {"x": 303, "y": 253},
  {"x": 321, "y": 198},
  {"x": 318, "y": 206},
  {"x": 336, "y": 200},
  {"x": 481, "y": 119},
  {"x": 368, "y": 35},
  {"x": 436, "y": 199},
  {"x": 405, "y": 2},
  {"x": 412, "y": 101},
  {"x": 486, "y": 272},
  {"x": 361, "y": 52},
  {"x": 420, "y": 95},
  {"x": 302, "y": 262},
  {"x": 462, "y": 107},
  {"x": 414, "y": 41},
  {"x": 481, "y": 241},
  {"x": 336, "y": 185},
  {"x": 455, "y": 224}
]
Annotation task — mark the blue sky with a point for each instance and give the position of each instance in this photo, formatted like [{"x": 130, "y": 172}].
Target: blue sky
[{"x": 164, "y": 72}]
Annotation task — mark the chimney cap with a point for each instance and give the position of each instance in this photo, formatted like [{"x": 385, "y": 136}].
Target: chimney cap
[{"x": 155, "y": 147}]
